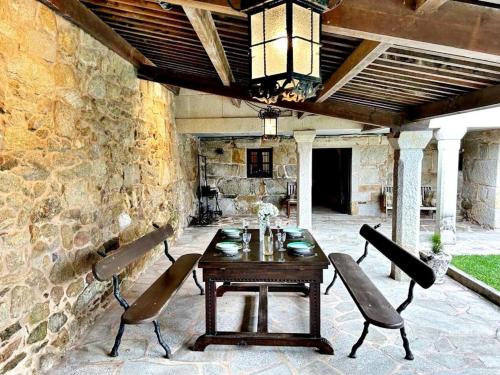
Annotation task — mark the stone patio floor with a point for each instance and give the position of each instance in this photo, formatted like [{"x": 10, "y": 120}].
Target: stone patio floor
[{"x": 451, "y": 329}]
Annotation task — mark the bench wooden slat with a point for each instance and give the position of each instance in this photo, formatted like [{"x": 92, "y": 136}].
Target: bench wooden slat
[
  {"x": 371, "y": 303},
  {"x": 155, "y": 299},
  {"x": 409, "y": 264},
  {"x": 121, "y": 258}
]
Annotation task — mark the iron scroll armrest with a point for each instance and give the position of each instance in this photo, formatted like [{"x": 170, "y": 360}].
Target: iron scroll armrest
[
  {"x": 165, "y": 244},
  {"x": 362, "y": 257}
]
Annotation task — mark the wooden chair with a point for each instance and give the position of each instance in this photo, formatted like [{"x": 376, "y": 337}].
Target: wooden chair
[
  {"x": 372, "y": 304},
  {"x": 150, "y": 305},
  {"x": 291, "y": 197}
]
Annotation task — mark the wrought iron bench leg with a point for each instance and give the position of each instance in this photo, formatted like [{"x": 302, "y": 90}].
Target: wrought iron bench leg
[
  {"x": 202, "y": 291},
  {"x": 331, "y": 284},
  {"x": 118, "y": 340},
  {"x": 406, "y": 345},
  {"x": 160, "y": 339},
  {"x": 360, "y": 341}
]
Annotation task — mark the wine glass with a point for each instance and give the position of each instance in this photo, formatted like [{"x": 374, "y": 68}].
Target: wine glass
[
  {"x": 246, "y": 240},
  {"x": 281, "y": 240}
]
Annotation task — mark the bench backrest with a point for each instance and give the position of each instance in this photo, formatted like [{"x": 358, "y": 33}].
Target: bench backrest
[
  {"x": 116, "y": 261},
  {"x": 408, "y": 263},
  {"x": 291, "y": 188}
]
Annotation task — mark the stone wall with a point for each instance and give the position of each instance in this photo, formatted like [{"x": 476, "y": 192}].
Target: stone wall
[
  {"x": 372, "y": 160},
  {"x": 227, "y": 170},
  {"x": 81, "y": 142},
  {"x": 481, "y": 178}
]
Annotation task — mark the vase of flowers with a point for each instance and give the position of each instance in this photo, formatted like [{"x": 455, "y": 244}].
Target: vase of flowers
[{"x": 265, "y": 212}]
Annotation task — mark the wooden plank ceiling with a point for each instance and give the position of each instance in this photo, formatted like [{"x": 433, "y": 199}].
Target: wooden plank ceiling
[{"x": 397, "y": 78}]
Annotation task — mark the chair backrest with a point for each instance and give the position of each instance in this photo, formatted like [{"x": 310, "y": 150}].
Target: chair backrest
[
  {"x": 417, "y": 270},
  {"x": 291, "y": 189},
  {"x": 117, "y": 260}
]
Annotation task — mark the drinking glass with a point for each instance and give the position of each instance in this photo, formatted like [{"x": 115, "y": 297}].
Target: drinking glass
[
  {"x": 281, "y": 240},
  {"x": 246, "y": 240}
]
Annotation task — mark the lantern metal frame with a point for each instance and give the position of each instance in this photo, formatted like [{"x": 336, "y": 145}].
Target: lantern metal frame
[
  {"x": 268, "y": 88},
  {"x": 272, "y": 114}
]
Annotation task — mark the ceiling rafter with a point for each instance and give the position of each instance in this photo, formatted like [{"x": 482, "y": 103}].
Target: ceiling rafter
[
  {"x": 362, "y": 56},
  {"x": 204, "y": 26}
]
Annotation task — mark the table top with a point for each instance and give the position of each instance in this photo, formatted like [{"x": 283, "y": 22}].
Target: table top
[{"x": 213, "y": 258}]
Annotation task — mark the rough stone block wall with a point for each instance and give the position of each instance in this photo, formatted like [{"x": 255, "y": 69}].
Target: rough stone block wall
[
  {"x": 481, "y": 178},
  {"x": 228, "y": 172},
  {"x": 82, "y": 141},
  {"x": 372, "y": 160}
]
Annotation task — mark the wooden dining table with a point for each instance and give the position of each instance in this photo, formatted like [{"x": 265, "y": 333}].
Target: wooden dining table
[{"x": 254, "y": 272}]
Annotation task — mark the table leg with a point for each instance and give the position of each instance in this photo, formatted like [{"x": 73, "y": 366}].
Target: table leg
[
  {"x": 314, "y": 310},
  {"x": 262, "y": 322},
  {"x": 322, "y": 344},
  {"x": 210, "y": 315}
]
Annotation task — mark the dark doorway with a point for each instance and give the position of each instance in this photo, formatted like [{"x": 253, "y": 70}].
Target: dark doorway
[{"x": 331, "y": 182}]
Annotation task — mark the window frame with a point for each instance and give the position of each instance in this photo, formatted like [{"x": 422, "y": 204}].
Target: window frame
[{"x": 260, "y": 164}]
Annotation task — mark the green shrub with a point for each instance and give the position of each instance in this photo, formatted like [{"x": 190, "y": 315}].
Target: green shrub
[{"x": 437, "y": 246}]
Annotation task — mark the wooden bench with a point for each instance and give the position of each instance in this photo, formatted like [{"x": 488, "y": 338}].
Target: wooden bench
[
  {"x": 372, "y": 304},
  {"x": 387, "y": 195},
  {"x": 150, "y": 305}
]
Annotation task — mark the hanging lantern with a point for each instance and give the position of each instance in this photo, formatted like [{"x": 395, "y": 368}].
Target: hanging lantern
[
  {"x": 269, "y": 117},
  {"x": 284, "y": 48}
]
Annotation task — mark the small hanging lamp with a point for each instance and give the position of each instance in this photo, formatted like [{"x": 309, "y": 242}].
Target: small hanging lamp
[{"x": 269, "y": 117}]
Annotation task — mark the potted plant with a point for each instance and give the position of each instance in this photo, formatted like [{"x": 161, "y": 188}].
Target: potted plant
[{"x": 438, "y": 259}]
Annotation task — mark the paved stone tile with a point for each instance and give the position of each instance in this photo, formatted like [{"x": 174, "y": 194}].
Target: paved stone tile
[{"x": 452, "y": 331}]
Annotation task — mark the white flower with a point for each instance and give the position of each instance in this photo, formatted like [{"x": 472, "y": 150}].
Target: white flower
[{"x": 267, "y": 210}]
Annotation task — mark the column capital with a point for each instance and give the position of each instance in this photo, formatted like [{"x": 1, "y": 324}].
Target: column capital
[
  {"x": 450, "y": 133},
  {"x": 410, "y": 140},
  {"x": 302, "y": 136}
]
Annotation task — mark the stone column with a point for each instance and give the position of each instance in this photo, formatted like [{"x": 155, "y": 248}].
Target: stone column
[
  {"x": 304, "y": 139},
  {"x": 408, "y": 154},
  {"x": 448, "y": 151}
]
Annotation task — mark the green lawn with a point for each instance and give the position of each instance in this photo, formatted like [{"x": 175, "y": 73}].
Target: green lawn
[{"x": 483, "y": 267}]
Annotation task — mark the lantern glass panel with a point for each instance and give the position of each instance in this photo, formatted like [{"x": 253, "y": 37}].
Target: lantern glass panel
[
  {"x": 256, "y": 25},
  {"x": 275, "y": 62},
  {"x": 270, "y": 125},
  {"x": 275, "y": 22},
  {"x": 302, "y": 58}
]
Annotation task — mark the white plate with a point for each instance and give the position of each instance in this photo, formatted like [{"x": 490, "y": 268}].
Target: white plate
[{"x": 228, "y": 247}]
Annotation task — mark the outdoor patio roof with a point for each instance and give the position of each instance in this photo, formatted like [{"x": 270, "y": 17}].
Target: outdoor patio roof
[{"x": 383, "y": 63}]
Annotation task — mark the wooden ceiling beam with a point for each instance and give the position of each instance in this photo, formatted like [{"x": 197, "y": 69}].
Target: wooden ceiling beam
[
  {"x": 397, "y": 23},
  {"x": 480, "y": 99},
  {"x": 428, "y": 6},
  {"x": 362, "y": 56},
  {"x": 331, "y": 108},
  {"x": 78, "y": 14},
  {"x": 393, "y": 22},
  {"x": 204, "y": 26}
]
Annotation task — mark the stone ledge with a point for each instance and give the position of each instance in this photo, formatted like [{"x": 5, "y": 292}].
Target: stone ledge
[{"x": 474, "y": 284}]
